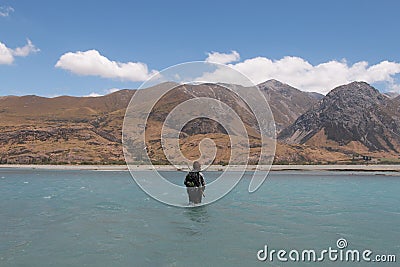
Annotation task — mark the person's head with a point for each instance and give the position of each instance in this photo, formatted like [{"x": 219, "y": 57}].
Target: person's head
[{"x": 196, "y": 166}]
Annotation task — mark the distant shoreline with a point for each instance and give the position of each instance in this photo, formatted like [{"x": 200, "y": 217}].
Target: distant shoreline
[{"x": 373, "y": 168}]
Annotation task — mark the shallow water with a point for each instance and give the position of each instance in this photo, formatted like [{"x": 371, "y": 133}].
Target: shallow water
[{"x": 96, "y": 218}]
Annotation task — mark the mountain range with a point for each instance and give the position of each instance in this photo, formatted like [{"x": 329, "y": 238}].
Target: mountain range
[{"x": 352, "y": 120}]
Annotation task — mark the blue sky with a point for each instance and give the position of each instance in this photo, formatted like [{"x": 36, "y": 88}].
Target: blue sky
[{"x": 287, "y": 40}]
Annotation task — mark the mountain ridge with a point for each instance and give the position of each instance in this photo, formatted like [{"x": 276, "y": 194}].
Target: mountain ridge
[
  {"x": 83, "y": 130},
  {"x": 286, "y": 102}
]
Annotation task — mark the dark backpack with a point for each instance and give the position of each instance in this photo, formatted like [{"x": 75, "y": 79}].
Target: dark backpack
[{"x": 193, "y": 179}]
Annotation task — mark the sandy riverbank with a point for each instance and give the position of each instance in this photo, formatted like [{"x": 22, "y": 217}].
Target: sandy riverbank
[{"x": 380, "y": 168}]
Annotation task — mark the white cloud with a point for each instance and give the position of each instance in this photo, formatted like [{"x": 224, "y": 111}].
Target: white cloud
[
  {"x": 7, "y": 55},
  {"x": 93, "y": 94},
  {"x": 301, "y": 74},
  {"x": 295, "y": 71},
  {"x": 112, "y": 90},
  {"x": 25, "y": 50},
  {"x": 5, "y": 11},
  {"x": 106, "y": 92},
  {"x": 91, "y": 62},
  {"x": 223, "y": 58}
]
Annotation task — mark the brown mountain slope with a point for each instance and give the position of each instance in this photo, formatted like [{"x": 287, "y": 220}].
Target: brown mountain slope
[
  {"x": 62, "y": 129},
  {"x": 287, "y": 103},
  {"x": 29, "y": 107},
  {"x": 195, "y": 130}
]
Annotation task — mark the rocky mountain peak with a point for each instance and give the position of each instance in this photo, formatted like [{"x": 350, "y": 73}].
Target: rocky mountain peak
[
  {"x": 357, "y": 96},
  {"x": 278, "y": 86},
  {"x": 359, "y": 90},
  {"x": 354, "y": 112}
]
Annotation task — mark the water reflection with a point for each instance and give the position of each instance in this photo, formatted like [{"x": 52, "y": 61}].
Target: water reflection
[
  {"x": 192, "y": 222},
  {"x": 197, "y": 214}
]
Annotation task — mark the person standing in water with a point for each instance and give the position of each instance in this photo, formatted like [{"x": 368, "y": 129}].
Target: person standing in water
[{"x": 195, "y": 184}]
